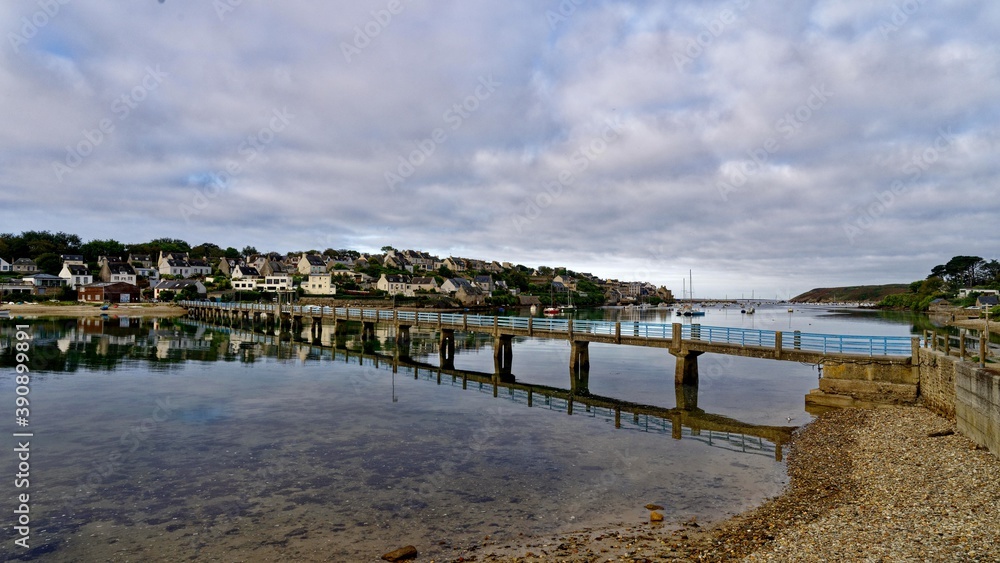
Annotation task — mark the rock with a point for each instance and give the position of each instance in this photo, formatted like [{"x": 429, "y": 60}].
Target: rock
[
  {"x": 655, "y": 516},
  {"x": 653, "y": 507},
  {"x": 401, "y": 554}
]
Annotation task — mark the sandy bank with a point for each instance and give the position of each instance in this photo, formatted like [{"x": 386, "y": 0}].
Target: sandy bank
[{"x": 32, "y": 310}]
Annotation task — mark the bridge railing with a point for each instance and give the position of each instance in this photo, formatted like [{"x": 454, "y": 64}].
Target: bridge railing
[
  {"x": 791, "y": 340},
  {"x": 727, "y": 335}
]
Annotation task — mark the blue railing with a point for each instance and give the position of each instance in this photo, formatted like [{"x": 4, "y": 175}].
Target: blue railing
[{"x": 791, "y": 340}]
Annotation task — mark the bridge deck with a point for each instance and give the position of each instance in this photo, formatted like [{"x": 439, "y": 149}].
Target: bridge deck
[{"x": 793, "y": 346}]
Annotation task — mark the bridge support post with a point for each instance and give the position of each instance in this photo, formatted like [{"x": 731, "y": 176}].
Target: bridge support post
[
  {"x": 503, "y": 354},
  {"x": 579, "y": 367},
  {"x": 686, "y": 397},
  {"x": 367, "y": 331},
  {"x": 777, "y": 345},
  {"x": 402, "y": 334},
  {"x": 686, "y": 369},
  {"x": 447, "y": 349}
]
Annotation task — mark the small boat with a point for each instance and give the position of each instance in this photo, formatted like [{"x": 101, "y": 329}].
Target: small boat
[
  {"x": 4, "y": 314},
  {"x": 551, "y": 310}
]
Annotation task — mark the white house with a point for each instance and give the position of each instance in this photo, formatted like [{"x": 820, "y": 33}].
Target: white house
[
  {"x": 392, "y": 284},
  {"x": 4, "y": 265},
  {"x": 76, "y": 275},
  {"x": 275, "y": 282},
  {"x": 319, "y": 284},
  {"x": 200, "y": 267}
]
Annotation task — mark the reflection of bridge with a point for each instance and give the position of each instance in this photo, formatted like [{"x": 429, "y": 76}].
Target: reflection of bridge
[
  {"x": 857, "y": 367},
  {"x": 712, "y": 429}
]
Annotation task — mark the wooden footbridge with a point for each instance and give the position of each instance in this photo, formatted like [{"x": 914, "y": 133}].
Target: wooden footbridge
[{"x": 859, "y": 368}]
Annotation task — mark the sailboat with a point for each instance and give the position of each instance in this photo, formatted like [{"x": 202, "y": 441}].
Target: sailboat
[
  {"x": 551, "y": 309},
  {"x": 688, "y": 309}
]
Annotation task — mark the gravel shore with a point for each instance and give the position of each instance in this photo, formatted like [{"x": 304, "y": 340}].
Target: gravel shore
[{"x": 892, "y": 484}]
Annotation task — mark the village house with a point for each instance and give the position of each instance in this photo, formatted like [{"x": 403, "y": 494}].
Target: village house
[
  {"x": 245, "y": 272},
  {"x": 967, "y": 291},
  {"x": 150, "y": 275},
  {"x": 175, "y": 267},
  {"x": 568, "y": 281},
  {"x": 273, "y": 268},
  {"x": 76, "y": 275},
  {"x": 102, "y": 260},
  {"x": 470, "y": 295},
  {"x": 452, "y": 285},
  {"x": 16, "y": 288},
  {"x": 275, "y": 282},
  {"x": 118, "y": 272},
  {"x": 24, "y": 266},
  {"x": 319, "y": 284},
  {"x": 113, "y": 292},
  {"x": 4, "y": 265},
  {"x": 987, "y": 302},
  {"x": 44, "y": 284},
  {"x": 392, "y": 284},
  {"x": 397, "y": 262},
  {"x": 72, "y": 259},
  {"x": 311, "y": 264},
  {"x": 484, "y": 283},
  {"x": 199, "y": 267},
  {"x": 140, "y": 260},
  {"x": 177, "y": 286},
  {"x": 423, "y": 283},
  {"x": 456, "y": 265}
]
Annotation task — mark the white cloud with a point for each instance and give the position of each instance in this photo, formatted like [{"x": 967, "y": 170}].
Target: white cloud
[{"x": 650, "y": 191}]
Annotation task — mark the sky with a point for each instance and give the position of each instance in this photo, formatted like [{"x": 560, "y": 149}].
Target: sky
[{"x": 766, "y": 147}]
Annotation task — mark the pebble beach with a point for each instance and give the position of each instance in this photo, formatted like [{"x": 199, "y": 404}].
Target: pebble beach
[{"x": 891, "y": 484}]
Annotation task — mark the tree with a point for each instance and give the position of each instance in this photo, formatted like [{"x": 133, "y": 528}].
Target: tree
[
  {"x": 207, "y": 249},
  {"x": 166, "y": 295},
  {"x": 445, "y": 272},
  {"x": 231, "y": 253},
  {"x": 388, "y": 248},
  {"x": 49, "y": 263},
  {"x": 249, "y": 251},
  {"x": 96, "y": 248}
]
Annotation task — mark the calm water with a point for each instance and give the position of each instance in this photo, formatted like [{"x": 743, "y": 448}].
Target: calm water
[{"x": 169, "y": 440}]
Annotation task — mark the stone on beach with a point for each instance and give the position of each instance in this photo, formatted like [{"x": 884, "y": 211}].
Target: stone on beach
[{"x": 401, "y": 554}]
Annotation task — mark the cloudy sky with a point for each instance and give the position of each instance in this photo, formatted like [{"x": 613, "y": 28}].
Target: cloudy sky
[{"x": 769, "y": 147}]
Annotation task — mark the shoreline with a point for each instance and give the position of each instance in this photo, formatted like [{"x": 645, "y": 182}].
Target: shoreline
[
  {"x": 895, "y": 483},
  {"x": 35, "y": 310}
]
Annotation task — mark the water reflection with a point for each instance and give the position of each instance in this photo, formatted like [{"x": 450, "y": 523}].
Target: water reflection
[{"x": 172, "y": 439}]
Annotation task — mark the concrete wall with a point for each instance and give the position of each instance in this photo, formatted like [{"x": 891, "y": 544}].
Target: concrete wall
[
  {"x": 937, "y": 382},
  {"x": 964, "y": 392},
  {"x": 977, "y": 405}
]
